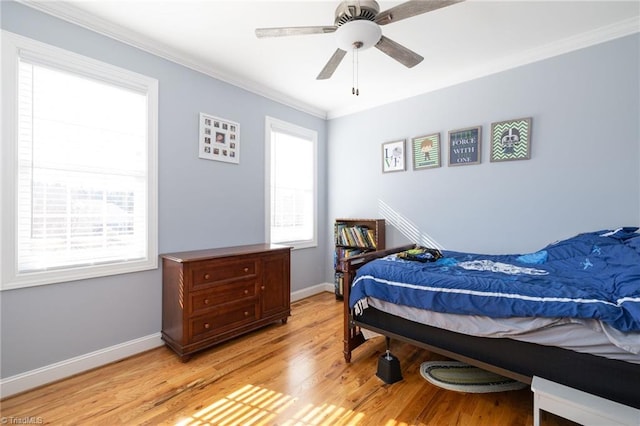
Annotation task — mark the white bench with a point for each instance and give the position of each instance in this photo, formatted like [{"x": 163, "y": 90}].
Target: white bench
[{"x": 579, "y": 406}]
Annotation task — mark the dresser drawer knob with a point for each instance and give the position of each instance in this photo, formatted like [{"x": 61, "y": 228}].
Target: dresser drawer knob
[
  {"x": 207, "y": 276},
  {"x": 246, "y": 291},
  {"x": 205, "y": 301},
  {"x": 206, "y": 325},
  {"x": 261, "y": 287},
  {"x": 246, "y": 269},
  {"x": 246, "y": 314}
]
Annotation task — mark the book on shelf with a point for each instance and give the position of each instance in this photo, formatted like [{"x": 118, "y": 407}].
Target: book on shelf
[
  {"x": 339, "y": 283},
  {"x": 357, "y": 236},
  {"x": 371, "y": 238}
]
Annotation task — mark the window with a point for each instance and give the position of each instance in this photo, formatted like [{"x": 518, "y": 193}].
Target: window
[
  {"x": 291, "y": 195},
  {"x": 79, "y": 159}
]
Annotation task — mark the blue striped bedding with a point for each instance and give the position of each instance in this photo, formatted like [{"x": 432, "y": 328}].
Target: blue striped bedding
[{"x": 592, "y": 275}]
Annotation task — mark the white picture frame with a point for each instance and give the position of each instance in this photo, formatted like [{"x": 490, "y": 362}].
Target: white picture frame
[{"x": 219, "y": 139}]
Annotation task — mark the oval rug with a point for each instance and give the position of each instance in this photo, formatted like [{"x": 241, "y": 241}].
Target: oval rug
[{"x": 461, "y": 377}]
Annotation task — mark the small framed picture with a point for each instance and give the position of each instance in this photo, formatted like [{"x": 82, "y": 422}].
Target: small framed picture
[
  {"x": 511, "y": 140},
  {"x": 426, "y": 151},
  {"x": 465, "y": 146},
  {"x": 222, "y": 135},
  {"x": 393, "y": 156}
]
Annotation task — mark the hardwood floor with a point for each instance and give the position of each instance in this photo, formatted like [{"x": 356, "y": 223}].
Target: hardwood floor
[{"x": 291, "y": 374}]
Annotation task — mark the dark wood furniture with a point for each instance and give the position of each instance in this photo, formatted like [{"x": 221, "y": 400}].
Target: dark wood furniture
[
  {"x": 610, "y": 379},
  {"x": 345, "y": 247},
  {"x": 209, "y": 296}
]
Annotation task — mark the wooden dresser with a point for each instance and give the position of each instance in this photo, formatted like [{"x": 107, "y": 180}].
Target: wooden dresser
[{"x": 209, "y": 296}]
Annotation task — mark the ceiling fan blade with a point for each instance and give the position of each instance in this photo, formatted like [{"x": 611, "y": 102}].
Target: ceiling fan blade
[
  {"x": 411, "y": 8},
  {"x": 406, "y": 57},
  {"x": 331, "y": 66},
  {"x": 291, "y": 31}
]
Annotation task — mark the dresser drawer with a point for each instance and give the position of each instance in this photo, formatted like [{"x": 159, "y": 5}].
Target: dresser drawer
[
  {"x": 224, "y": 318},
  {"x": 204, "y": 300},
  {"x": 218, "y": 271}
]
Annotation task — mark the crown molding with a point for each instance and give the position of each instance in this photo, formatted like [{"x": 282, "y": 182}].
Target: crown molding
[
  {"x": 559, "y": 47},
  {"x": 67, "y": 12},
  {"x": 72, "y": 14}
]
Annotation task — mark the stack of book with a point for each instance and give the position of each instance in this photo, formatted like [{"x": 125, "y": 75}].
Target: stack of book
[
  {"x": 355, "y": 236},
  {"x": 342, "y": 252}
]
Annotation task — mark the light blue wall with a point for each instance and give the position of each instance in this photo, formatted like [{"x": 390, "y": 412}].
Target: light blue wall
[
  {"x": 201, "y": 204},
  {"x": 583, "y": 174}
]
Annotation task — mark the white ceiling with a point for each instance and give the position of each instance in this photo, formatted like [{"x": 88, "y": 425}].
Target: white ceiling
[{"x": 459, "y": 42}]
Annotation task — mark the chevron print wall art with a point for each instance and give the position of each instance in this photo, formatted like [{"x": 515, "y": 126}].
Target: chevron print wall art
[{"x": 511, "y": 140}]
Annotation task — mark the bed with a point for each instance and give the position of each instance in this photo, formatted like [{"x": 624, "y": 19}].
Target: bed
[{"x": 569, "y": 313}]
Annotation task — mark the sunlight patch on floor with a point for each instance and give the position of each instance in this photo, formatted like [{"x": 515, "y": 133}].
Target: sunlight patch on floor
[
  {"x": 395, "y": 423},
  {"x": 253, "y": 405}
]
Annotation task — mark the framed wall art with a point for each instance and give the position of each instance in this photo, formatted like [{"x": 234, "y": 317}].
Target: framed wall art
[
  {"x": 393, "y": 156},
  {"x": 465, "y": 146},
  {"x": 219, "y": 139},
  {"x": 511, "y": 140},
  {"x": 426, "y": 151}
]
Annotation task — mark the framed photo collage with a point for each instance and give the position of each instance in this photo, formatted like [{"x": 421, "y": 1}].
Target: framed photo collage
[{"x": 219, "y": 139}]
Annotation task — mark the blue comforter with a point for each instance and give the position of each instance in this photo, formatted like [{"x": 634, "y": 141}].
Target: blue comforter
[{"x": 592, "y": 275}]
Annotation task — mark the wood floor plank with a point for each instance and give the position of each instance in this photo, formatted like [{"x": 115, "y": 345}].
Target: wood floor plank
[{"x": 284, "y": 374}]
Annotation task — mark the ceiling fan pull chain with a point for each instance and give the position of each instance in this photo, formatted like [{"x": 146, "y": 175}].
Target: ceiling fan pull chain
[
  {"x": 353, "y": 71},
  {"x": 357, "y": 72},
  {"x": 354, "y": 76}
]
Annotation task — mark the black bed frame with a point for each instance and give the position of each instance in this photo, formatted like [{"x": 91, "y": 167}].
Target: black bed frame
[{"x": 611, "y": 379}]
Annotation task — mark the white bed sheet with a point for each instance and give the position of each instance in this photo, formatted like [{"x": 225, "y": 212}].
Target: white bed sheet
[{"x": 588, "y": 336}]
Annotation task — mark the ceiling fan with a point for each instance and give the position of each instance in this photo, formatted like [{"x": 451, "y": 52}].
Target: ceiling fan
[{"x": 357, "y": 26}]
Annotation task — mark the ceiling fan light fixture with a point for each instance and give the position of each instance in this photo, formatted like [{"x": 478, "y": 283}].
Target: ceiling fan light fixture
[
  {"x": 359, "y": 31},
  {"x": 357, "y": 26}
]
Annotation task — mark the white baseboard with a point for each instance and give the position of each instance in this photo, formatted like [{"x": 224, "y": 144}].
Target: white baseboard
[
  {"x": 311, "y": 291},
  {"x": 60, "y": 370},
  {"x": 50, "y": 373}
]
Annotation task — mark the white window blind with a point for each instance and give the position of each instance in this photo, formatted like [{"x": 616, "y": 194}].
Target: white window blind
[
  {"x": 84, "y": 170},
  {"x": 292, "y": 184}
]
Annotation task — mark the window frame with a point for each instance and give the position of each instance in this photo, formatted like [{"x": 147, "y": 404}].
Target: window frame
[
  {"x": 15, "y": 47},
  {"x": 311, "y": 135}
]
